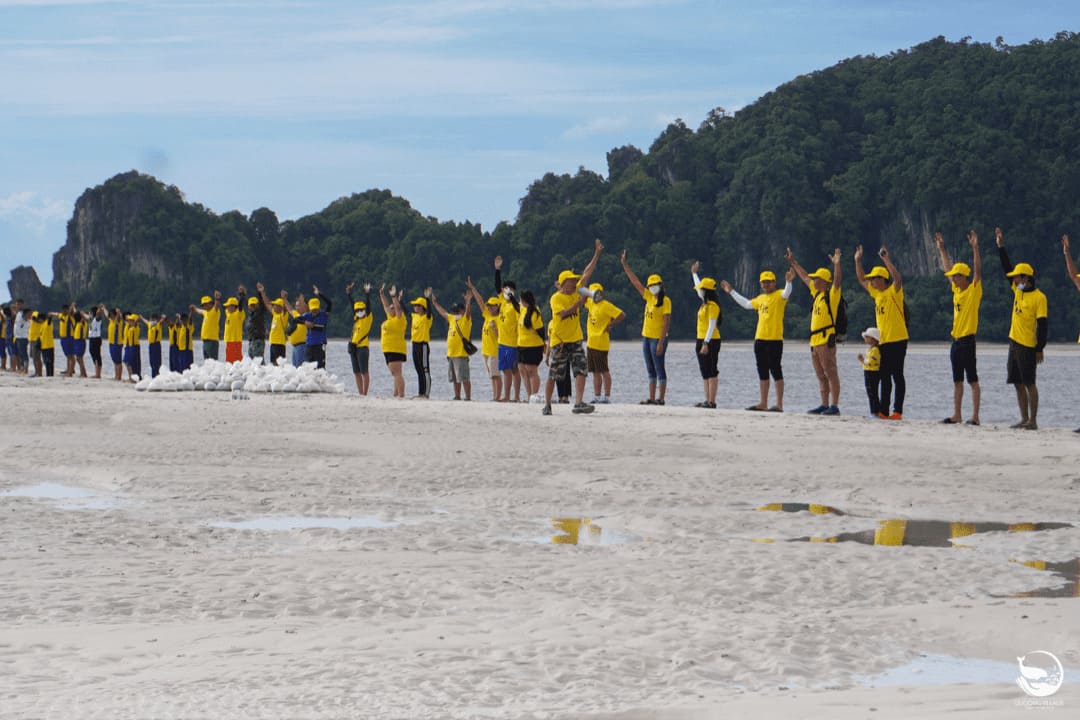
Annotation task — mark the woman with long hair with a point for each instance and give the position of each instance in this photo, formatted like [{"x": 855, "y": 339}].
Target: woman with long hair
[
  {"x": 530, "y": 343},
  {"x": 654, "y": 331},
  {"x": 420, "y": 336}
]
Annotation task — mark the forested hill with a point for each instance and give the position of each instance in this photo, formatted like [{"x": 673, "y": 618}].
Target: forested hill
[{"x": 875, "y": 150}]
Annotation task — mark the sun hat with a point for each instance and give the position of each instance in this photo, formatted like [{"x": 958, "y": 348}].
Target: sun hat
[
  {"x": 706, "y": 284},
  {"x": 872, "y": 332},
  {"x": 878, "y": 271}
]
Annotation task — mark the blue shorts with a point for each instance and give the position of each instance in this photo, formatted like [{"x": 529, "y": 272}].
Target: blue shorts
[
  {"x": 4, "y": 349},
  {"x": 66, "y": 345},
  {"x": 508, "y": 358},
  {"x": 130, "y": 355},
  {"x": 78, "y": 347},
  {"x": 116, "y": 353}
]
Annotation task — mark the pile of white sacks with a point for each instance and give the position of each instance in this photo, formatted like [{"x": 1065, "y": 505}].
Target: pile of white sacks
[{"x": 247, "y": 376}]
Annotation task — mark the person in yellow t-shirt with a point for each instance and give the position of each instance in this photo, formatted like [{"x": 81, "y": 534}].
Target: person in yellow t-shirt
[
  {"x": 825, "y": 290},
  {"x": 296, "y": 331},
  {"x": 210, "y": 334},
  {"x": 567, "y": 353},
  {"x": 47, "y": 341},
  {"x": 509, "y": 310},
  {"x": 420, "y": 336},
  {"x": 770, "y": 305},
  {"x": 234, "y": 331},
  {"x": 34, "y": 337},
  {"x": 531, "y": 341},
  {"x": 133, "y": 347},
  {"x": 871, "y": 365},
  {"x": 603, "y": 315},
  {"x": 115, "y": 337},
  {"x": 967, "y": 292},
  {"x": 707, "y": 345},
  {"x": 654, "y": 331},
  {"x": 489, "y": 337},
  {"x": 360, "y": 340},
  {"x": 458, "y": 330},
  {"x": 392, "y": 336},
  {"x": 153, "y": 342},
  {"x": 886, "y": 287},
  {"x": 80, "y": 329},
  {"x": 1027, "y": 335}
]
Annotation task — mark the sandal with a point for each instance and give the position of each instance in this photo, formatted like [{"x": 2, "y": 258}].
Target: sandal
[
  {"x": 647, "y": 402},
  {"x": 972, "y": 422}
]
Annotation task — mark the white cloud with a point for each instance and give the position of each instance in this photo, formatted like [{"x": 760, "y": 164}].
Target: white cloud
[
  {"x": 28, "y": 207},
  {"x": 597, "y": 126}
]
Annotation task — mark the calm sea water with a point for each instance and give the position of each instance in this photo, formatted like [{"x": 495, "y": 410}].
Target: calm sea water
[{"x": 927, "y": 370}]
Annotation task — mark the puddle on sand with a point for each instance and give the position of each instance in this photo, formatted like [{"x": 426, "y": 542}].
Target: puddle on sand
[
  {"x": 928, "y": 533},
  {"x": 282, "y": 523},
  {"x": 76, "y": 498},
  {"x": 580, "y": 531},
  {"x": 801, "y": 507},
  {"x": 944, "y": 670},
  {"x": 1069, "y": 572}
]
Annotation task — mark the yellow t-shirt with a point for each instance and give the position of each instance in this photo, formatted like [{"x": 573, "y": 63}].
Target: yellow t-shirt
[
  {"x": 183, "y": 337},
  {"x": 600, "y": 316},
  {"x": 770, "y": 315},
  {"x": 132, "y": 335},
  {"x": 457, "y": 329},
  {"x": 889, "y": 311},
  {"x": 299, "y": 335},
  {"x": 234, "y": 326},
  {"x": 80, "y": 328},
  {"x": 508, "y": 324},
  {"x": 62, "y": 322},
  {"x": 421, "y": 327},
  {"x": 114, "y": 337},
  {"x": 153, "y": 332},
  {"x": 33, "y": 333},
  {"x": 529, "y": 336},
  {"x": 966, "y": 309},
  {"x": 872, "y": 359},
  {"x": 278, "y": 321},
  {"x": 1027, "y": 308},
  {"x": 392, "y": 334},
  {"x": 361, "y": 330},
  {"x": 564, "y": 329},
  {"x": 48, "y": 342},
  {"x": 708, "y": 311},
  {"x": 821, "y": 318},
  {"x": 172, "y": 334},
  {"x": 489, "y": 337},
  {"x": 211, "y": 324},
  {"x": 652, "y": 326}
]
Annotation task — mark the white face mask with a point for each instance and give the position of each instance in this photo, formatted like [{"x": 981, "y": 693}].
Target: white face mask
[
  {"x": 361, "y": 313},
  {"x": 1021, "y": 286},
  {"x": 457, "y": 316},
  {"x": 508, "y": 294},
  {"x": 654, "y": 289}
]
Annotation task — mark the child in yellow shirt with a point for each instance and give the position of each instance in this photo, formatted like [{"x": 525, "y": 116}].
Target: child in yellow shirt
[{"x": 871, "y": 365}]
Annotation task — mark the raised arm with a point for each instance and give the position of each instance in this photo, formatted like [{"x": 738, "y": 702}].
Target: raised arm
[
  {"x": 803, "y": 275},
  {"x": 976, "y": 258},
  {"x": 435, "y": 303},
  {"x": 859, "y": 274},
  {"x": 836, "y": 273},
  {"x": 946, "y": 261},
  {"x": 1003, "y": 255},
  {"x": 694, "y": 267},
  {"x": 259, "y": 288},
  {"x": 587, "y": 273},
  {"x": 480, "y": 302},
  {"x": 1069, "y": 261},
  {"x": 630, "y": 274},
  {"x": 387, "y": 308},
  {"x": 897, "y": 281},
  {"x": 288, "y": 305},
  {"x": 726, "y": 287}
]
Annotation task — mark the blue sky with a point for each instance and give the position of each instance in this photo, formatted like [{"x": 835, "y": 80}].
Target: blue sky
[{"x": 456, "y": 106}]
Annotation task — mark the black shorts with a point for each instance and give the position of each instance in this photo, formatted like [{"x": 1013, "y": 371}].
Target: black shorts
[
  {"x": 709, "y": 363},
  {"x": 95, "y": 350},
  {"x": 596, "y": 360},
  {"x": 962, "y": 357},
  {"x": 531, "y": 355},
  {"x": 393, "y": 357},
  {"x": 1021, "y": 365},
  {"x": 769, "y": 354},
  {"x": 359, "y": 357}
]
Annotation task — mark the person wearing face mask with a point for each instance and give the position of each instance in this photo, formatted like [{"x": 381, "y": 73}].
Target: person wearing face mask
[
  {"x": 489, "y": 343},
  {"x": 891, "y": 321},
  {"x": 824, "y": 286},
  {"x": 654, "y": 331},
  {"x": 1027, "y": 335},
  {"x": 531, "y": 343},
  {"x": 459, "y": 328},
  {"x": 509, "y": 314},
  {"x": 392, "y": 336},
  {"x": 359, "y": 343}
]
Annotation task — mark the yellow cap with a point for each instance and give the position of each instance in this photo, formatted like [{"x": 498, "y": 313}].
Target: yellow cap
[
  {"x": 959, "y": 269},
  {"x": 493, "y": 300},
  {"x": 596, "y": 286},
  {"x": 1021, "y": 269},
  {"x": 767, "y": 275},
  {"x": 314, "y": 304},
  {"x": 654, "y": 279},
  {"x": 878, "y": 271},
  {"x": 822, "y": 274},
  {"x": 422, "y": 302},
  {"x": 232, "y": 301},
  {"x": 568, "y": 275},
  {"x": 279, "y": 301},
  {"x": 253, "y": 301},
  {"x": 706, "y": 284},
  {"x": 206, "y": 300},
  {"x": 359, "y": 305}
]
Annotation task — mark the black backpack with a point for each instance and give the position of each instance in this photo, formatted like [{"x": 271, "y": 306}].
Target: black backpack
[{"x": 840, "y": 322}]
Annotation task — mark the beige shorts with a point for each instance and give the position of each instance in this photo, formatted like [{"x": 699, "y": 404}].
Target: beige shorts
[{"x": 491, "y": 365}]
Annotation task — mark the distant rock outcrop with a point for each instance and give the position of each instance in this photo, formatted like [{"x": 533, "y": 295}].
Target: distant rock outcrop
[{"x": 26, "y": 285}]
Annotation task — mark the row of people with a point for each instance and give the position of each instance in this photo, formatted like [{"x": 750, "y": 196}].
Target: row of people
[{"x": 515, "y": 339}]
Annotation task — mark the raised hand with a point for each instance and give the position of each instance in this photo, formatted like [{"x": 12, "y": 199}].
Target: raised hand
[
  {"x": 973, "y": 238},
  {"x": 428, "y": 293},
  {"x": 241, "y": 290},
  {"x": 1065, "y": 244},
  {"x": 498, "y": 262},
  {"x": 835, "y": 257},
  {"x": 284, "y": 294},
  {"x": 858, "y": 254},
  {"x": 367, "y": 287},
  {"x": 259, "y": 287},
  {"x": 597, "y": 246},
  {"x": 998, "y": 237},
  {"x": 789, "y": 256},
  {"x": 349, "y": 287},
  {"x": 315, "y": 289},
  {"x": 940, "y": 241},
  {"x": 725, "y": 285},
  {"x": 694, "y": 267},
  {"x": 790, "y": 274}
]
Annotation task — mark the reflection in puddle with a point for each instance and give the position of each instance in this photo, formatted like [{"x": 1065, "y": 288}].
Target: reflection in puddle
[
  {"x": 944, "y": 670},
  {"x": 1069, "y": 572},
  {"x": 928, "y": 533},
  {"x": 279, "y": 523},
  {"x": 802, "y": 507},
  {"x": 580, "y": 531},
  {"x": 76, "y": 498}
]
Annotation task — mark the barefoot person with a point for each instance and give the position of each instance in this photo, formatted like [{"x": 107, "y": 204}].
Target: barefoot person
[
  {"x": 769, "y": 336},
  {"x": 966, "y": 283},
  {"x": 392, "y": 336},
  {"x": 825, "y": 289},
  {"x": 886, "y": 287},
  {"x": 1027, "y": 335}
]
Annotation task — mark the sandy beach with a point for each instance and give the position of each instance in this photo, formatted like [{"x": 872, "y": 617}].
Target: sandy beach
[{"x": 162, "y": 557}]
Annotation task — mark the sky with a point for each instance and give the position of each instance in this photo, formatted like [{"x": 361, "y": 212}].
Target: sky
[{"x": 455, "y": 105}]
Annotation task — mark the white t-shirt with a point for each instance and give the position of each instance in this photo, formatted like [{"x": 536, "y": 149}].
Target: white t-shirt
[
  {"x": 95, "y": 328},
  {"x": 22, "y": 328}
]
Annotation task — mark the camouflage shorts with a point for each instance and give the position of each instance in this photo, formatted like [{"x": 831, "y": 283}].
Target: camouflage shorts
[{"x": 565, "y": 358}]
